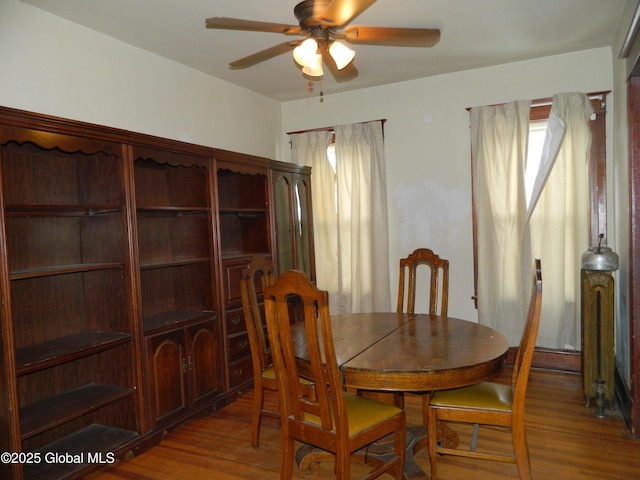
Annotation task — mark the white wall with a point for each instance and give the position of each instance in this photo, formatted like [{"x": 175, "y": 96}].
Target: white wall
[
  {"x": 53, "y": 66},
  {"x": 428, "y": 151}
]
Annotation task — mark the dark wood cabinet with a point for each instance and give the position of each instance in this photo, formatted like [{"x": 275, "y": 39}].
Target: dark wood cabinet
[
  {"x": 174, "y": 198},
  {"x": 245, "y": 231},
  {"x": 69, "y": 342},
  {"x": 183, "y": 368},
  {"x": 120, "y": 261}
]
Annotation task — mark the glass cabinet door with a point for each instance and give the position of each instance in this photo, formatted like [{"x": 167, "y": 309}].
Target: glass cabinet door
[
  {"x": 302, "y": 234},
  {"x": 283, "y": 222},
  {"x": 293, "y": 222}
]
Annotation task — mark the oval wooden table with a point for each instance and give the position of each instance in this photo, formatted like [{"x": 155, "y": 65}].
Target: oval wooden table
[{"x": 411, "y": 353}]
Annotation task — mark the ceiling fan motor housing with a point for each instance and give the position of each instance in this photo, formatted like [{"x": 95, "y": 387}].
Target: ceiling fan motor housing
[{"x": 304, "y": 13}]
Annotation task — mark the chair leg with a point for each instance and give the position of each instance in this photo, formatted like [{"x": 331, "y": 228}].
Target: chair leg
[
  {"x": 343, "y": 464},
  {"x": 521, "y": 452},
  {"x": 288, "y": 453},
  {"x": 432, "y": 440},
  {"x": 400, "y": 442},
  {"x": 256, "y": 416}
]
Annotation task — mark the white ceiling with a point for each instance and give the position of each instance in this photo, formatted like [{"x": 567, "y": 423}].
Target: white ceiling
[{"x": 474, "y": 34}]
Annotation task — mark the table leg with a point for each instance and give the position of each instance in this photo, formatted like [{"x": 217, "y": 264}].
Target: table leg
[{"x": 416, "y": 440}]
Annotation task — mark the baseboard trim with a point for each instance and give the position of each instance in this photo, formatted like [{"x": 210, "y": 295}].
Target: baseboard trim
[
  {"x": 625, "y": 402},
  {"x": 565, "y": 360}
]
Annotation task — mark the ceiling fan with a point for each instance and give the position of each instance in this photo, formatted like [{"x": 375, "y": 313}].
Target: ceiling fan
[{"x": 324, "y": 23}]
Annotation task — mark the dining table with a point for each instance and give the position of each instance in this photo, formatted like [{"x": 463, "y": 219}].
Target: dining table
[{"x": 401, "y": 352}]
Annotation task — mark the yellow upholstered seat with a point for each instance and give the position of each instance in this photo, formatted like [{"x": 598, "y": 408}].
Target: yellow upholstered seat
[
  {"x": 483, "y": 396},
  {"x": 361, "y": 412},
  {"x": 270, "y": 374}
]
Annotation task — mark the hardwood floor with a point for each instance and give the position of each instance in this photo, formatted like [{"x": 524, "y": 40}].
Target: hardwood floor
[{"x": 566, "y": 441}]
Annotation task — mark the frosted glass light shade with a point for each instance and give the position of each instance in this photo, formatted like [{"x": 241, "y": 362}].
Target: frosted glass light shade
[
  {"x": 341, "y": 54},
  {"x": 315, "y": 68},
  {"x": 305, "y": 53}
]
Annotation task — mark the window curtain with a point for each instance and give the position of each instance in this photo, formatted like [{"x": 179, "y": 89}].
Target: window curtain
[
  {"x": 363, "y": 226},
  {"x": 560, "y": 225},
  {"x": 498, "y": 151},
  {"x": 554, "y": 227},
  {"x": 349, "y": 215},
  {"x": 310, "y": 148}
]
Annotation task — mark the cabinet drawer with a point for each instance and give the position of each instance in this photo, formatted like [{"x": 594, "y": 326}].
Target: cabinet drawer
[
  {"x": 238, "y": 346},
  {"x": 235, "y": 321},
  {"x": 240, "y": 372}
]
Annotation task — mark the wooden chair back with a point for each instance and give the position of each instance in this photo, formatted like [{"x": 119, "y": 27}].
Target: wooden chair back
[
  {"x": 258, "y": 272},
  {"x": 439, "y": 281},
  {"x": 322, "y": 420},
  {"x": 253, "y": 279},
  {"x": 323, "y": 366},
  {"x": 524, "y": 355}
]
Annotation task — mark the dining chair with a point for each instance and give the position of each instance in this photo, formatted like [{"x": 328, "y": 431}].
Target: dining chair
[
  {"x": 254, "y": 278},
  {"x": 438, "y": 285},
  {"x": 335, "y": 421},
  {"x": 438, "y": 271},
  {"x": 491, "y": 403}
]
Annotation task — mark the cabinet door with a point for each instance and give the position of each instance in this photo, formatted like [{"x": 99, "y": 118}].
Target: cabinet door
[
  {"x": 284, "y": 221},
  {"x": 303, "y": 228},
  {"x": 293, "y": 222},
  {"x": 202, "y": 345},
  {"x": 167, "y": 367}
]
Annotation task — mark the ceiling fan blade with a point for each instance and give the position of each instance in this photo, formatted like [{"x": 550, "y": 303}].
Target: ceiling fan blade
[
  {"x": 263, "y": 55},
  {"x": 347, "y": 73},
  {"x": 252, "y": 26},
  {"x": 339, "y": 13},
  {"x": 394, "y": 37}
]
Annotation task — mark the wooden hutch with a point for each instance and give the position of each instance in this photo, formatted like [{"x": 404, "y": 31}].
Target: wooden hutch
[{"x": 120, "y": 257}]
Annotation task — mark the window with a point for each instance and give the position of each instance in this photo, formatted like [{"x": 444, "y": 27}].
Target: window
[
  {"x": 331, "y": 158},
  {"x": 597, "y": 165},
  {"x": 537, "y": 132}
]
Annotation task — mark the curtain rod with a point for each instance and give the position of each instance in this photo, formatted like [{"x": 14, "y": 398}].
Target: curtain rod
[
  {"x": 330, "y": 129},
  {"x": 541, "y": 102}
]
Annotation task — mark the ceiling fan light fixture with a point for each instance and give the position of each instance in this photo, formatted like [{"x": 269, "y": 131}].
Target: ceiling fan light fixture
[
  {"x": 306, "y": 53},
  {"x": 341, "y": 54},
  {"x": 315, "y": 68}
]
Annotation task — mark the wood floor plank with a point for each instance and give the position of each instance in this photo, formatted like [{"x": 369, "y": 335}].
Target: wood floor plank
[{"x": 566, "y": 440}]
